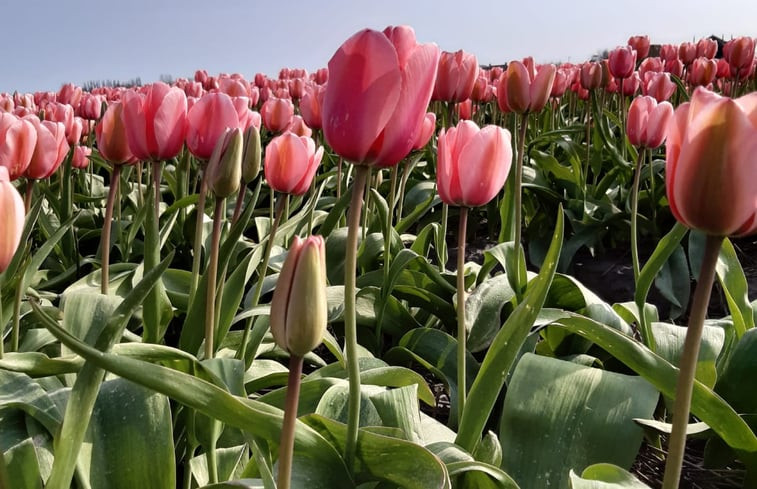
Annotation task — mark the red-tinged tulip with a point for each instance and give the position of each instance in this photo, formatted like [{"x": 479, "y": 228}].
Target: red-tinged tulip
[
  {"x": 658, "y": 86},
  {"x": 74, "y": 136},
  {"x": 298, "y": 127},
  {"x": 674, "y": 67},
  {"x": 63, "y": 113},
  {"x": 70, "y": 94},
  {"x": 687, "y": 52},
  {"x": 591, "y": 75},
  {"x": 201, "y": 76},
  {"x": 91, "y": 106},
  {"x": 207, "y": 121},
  {"x": 455, "y": 76},
  {"x": 299, "y": 310},
  {"x": 12, "y": 221},
  {"x": 702, "y": 72},
  {"x": 472, "y": 163},
  {"x": 648, "y": 122},
  {"x": 296, "y": 88},
  {"x": 110, "y": 134},
  {"x": 739, "y": 53},
  {"x": 465, "y": 110},
  {"x": 321, "y": 76},
  {"x": 650, "y": 64},
  {"x": 291, "y": 162},
  {"x": 668, "y": 52},
  {"x": 711, "y": 166},
  {"x": 640, "y": 44},
  {"x": 379, "y": 87},
  {"x": 260, "y": 80},
  {"x": 311, "y": 104},
  {"x": 81, "y": 155},
  {"x": 560, "y": 85},
  {"x": 50, "y": 150},
  {"x": 521, "y": 90},
  {"x": 424, "y": 136},
  {"x": 156, "y": 121},
  {"x": 277, "y": 113},
  {"x": 18, "y": 137},
  {"x": 724, "y": 69},
  {"x": 622, "y": 61},
  {"x": 707, "y": 48},
  {"x": 631, "y": 85},
  {"x": 482, "y": 91}
]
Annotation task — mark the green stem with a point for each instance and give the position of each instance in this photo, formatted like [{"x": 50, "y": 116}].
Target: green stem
[
  {"x": 28, "y": 194},
  {"x": 403, "y": 183},
  {"x": 286, "y": 448},
  {"x": 197, "y": 246},
  {"x": 688, "y": 363},
  {"x": 210, "y": 296},
  {"x": 151, "y": 307},
  {"x": 461, "y": 331},
  {"x": 350, "y": 318},
  {"x": 280, "y": 206},
  {"x": 238, "y": 205},
  {"x": 442, "y": 241},
  {"x": 634, "y": 215},
  {"x": 105, "y": 237},
  {"x": 622, "y": 118},
  {"x": 2, "y": 327},
  {"x": 519, "y": 181}
]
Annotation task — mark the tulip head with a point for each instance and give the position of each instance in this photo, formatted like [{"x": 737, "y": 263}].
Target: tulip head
[
  {"x": 225, "y": 165},
  {"x": 252, "y": 154},
  {"x": 12, "y": 221},
  {"x": 622, "y": 61},
  {"x": 711, "y": 166},
  {"x": 648, "y": 122},
  {"x": 641, "y": 45},
  {"x": 110, "y": 134},
  {"x": 299, "y": 308},
  {"x": 291, "y": 162},
  {"x": 455, "y": 76},
  {"x": 18, "y": 138}
]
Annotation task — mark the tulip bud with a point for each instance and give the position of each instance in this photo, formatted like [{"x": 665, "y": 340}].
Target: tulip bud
[
  {"x": 299, "y": 307},
  {"x": 252, "y": 154},
  {"x": 225, "y": 165},
  {"x": 12, "y": 222}
]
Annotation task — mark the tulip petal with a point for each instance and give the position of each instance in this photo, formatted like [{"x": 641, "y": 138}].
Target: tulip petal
[{"x": 486, "y": 160}]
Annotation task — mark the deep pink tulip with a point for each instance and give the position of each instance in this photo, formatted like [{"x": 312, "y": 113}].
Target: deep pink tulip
[
  {"x": 291, "y": 162},
  {"x": 668, "y": 52},
  {"x": 702, "y": 72},
  {"x": 648, "y": 122},
  {"x": 424, "y": 136},
  {"x": 472, "y": 163},
  {"x": 110, "y": 134},
  {"x": 483, "y": 91},
  {"x": 379, "y": 87},
  {"x": 321, "y": 76},
  {"x": 674, "y": 67},
  {"x": 90, "y": 106},
  {"x": 70, "y": 94},
  {"x": 631, "y": 84},
  {"x": 711, "y": 166},
  {"x": 650, "y": 64},
  {"x": 739, "y": 53},
  {"x": 12, "y": 220},
  {"x": 18, "y": 137},
  {"x": 63, "y": 113},
  {"x": 658, "y": 86},
  {"x": 707, "y": 48},
  {"x": 687, "y": 52},
  {"x": 560, "y": 85},
  {"x": 208, "y": 120},
  {"x": 455, "y": 76},
  {"x": 591, "y": 75},
  {"x": 277, "y": 114},
  {"x": 520, "y": 90},
  {"x": 640, "y": 44},
  {"x": 156, "y": 121},
  {"x": 296, "y": 88},
  {"x": 310, "y": 105},
  {"x": 50, "y": 150},
  {"x": 622, "y": 61},
  {"x": 465, "y": 110},
  {"x": 81, "y": 155}
]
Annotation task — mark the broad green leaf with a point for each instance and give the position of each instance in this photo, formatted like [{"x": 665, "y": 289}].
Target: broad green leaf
[
  {"x": 483, "y": 308},
  {"x": 605, "y": 476},
  {"x": 505, "y": 348},
  {"x": 22, "y": 465},
  {"x": 231, "y": 461},
  {"x": 669, "y": 339},
  {"x": 560, "y": 416},
  {"x": 733, "y": 385},
  {"x": 735, "y": 287},
  {"x": 674, "y": 282}
]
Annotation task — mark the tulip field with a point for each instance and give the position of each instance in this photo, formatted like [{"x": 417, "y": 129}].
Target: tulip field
[{"x": 367, "y": 276}]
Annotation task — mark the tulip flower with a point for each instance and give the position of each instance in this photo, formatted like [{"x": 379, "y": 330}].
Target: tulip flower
[
  {"x": 658, "y": 85},
  {"x": 155, "y": 121},
  {"x": 640, "y": 44},
  {"x": 429, "y": 125},
  {"x": 207, "y": 121},
  {"x": 622, "y": 62},
  {"x": 50, "y": 150},
  {"x": 523, "y": 90},
  {"x": 591, "y": 75},
  {"x": 110, "y": 133},
  {"x": 668, "y": 52},
  {"x": 70, "y": 94},
  {"x": 18, "y": 139},
  {"x": 277, "y": 113},
  {"x": 291, "y": 162},
  {"x": 739, "y": 53},
  {"x": 648, "y": 122},
  {"x": 12, "y": 222},
  {"x": 298, "y": 127},
  {"x": 455, "y": 76},
  {"x": 379, "y": 87},
  {"x": 707, "y": 48},
  {"x": 702, "y": 72},
  {"x": 674, "y": 67},
  {"x": 473, "y": 163},
  {"x": 687, "y": 52},
  {"x": 310, "y": 106},
  {"x": 81, "y": 155},
  {"x": 650, "y": 65}
]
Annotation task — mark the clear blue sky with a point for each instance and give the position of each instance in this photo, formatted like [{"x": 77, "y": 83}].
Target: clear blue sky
[{"x": 49, "y": 42}]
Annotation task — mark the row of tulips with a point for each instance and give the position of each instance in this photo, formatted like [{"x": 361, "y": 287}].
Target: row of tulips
[{"x": 373, "y": 114}]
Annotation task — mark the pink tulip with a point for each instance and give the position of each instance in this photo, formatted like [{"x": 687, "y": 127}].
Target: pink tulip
[
  {"x": 64, "y": 113},
  {"x": 674, "y": 67},
  {"x": 277, "y": 114},
  {"x": 208, "y": 120},
  {"x": 591, "y": 75},
  {"x": 521, "y": 90},
  {"x": 50, "y": 150},
  {"x": 631, "y": 84},
  {"x": 90, "y": 106},
  {"x": 668, "y": 52},
  {"x": 648, "y": 122},
  {"x": 156, "y": 121},
  {"x": 702, "y": 72},
  {"x": 455, "y": 76},
  {"x": 707, "y": 48},
  {"x": 622, "y": 61},
  {"x": 379, "y": 87},
  {"x": 472, "y": 163},
  {"x": 298, "y": 127},
  {"x": 640, "y": 44},
  {"x": 12, "y": 221},
  {"x": 81, "y": 155},
  {"x": 658, "y": 86},
  {"x": 291, "y": 162},
  {"x": 560, "y": 84},
  {"x": 429, "y": 126},
  {"x": 18, "y": 137},
  {"x": 310, "y": 105},
  {"x": 321, "y": 76},
  {"x": 711, "y": 166},
  {"x": 482, "y": 91},
  {"x": 111, "y": 137},
  {"x": 650, "y": 64},
  {"x": 70, "y": 94},
  {"x": 687, "y": 52},
  {"x": 739, "y": 53}
]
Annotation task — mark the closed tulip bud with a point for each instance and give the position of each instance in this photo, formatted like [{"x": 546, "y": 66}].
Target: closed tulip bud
[
  {"x": 299, "y": 308},
  {"x": 707, "y": 48},
  {"x": 298, "y": 127},
  {"x": 668, "y": 52},
  {"x": 703, "y": 72},
  {"x": 207, "y": 120},
  {"x": 560, "y": 84},
  {"x": 640, "y": 44},
  {"x": 739, "y": 53},
  {"x": 429, "y": 125},
  {"x": 225, "y": 165},
  {"x": 80, "y": 158},
  {"x": 310, "y": 106},
  {"x": 156, "y": 121},
  {"x": 650, "y": 65},
  {"x": 50, "y": 150},
  {"x": 110, "y": 134},
  {"x": 710, "y": 164},
  {"x": 18, "y": 138},
  {"x": 658, "y": 86},
  {"x": 455, "y": 77},
  {"x": 277, "y": 113},
  {"x": 622, "y": 61},
  {"x": 472, "y": 163},
  {"x": 674, "y": 67},
  {"x": 12, "y": 221},
  {"x": 291, "y": 162},
  {"x": 687, "y": 52},
  {"x": 523, "y": 90},
  {"x": 648, "y": 122},
  {"x": 591, "y": 75},
  {"x": 252, "y": 154}
]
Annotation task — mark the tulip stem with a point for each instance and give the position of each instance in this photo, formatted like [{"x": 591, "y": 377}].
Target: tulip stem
[
  {"x": 210, "y": 294},
  {"x": 151, "y": 306},
  {"x": 28, "y": 194},
  {"x": 239, "y": 203},
  {"x": 688, "y": 363},
  {"x": 286, "y": 447},
  {"x": 518, "y": 197},
  {"x": 634, "y": 215},
  {"x": 197, "y": 246},
  {"x": 622, "y": 117},
  {"x": 461, "y": 330},
  {"x": 2, "y": 330},
  {"x": 280, "y": 206},
  {"x": 350, "y": 319},
  {"x": 441, "y": 253},
  {"x": 105, "y": 237}
]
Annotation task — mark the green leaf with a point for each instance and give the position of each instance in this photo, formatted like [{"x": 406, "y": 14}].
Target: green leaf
[
  {"x": 605, "y": 476},
  {"x": 674, "y": 283},
  {"x": 670, "y": 338},
  {"x": 483, "y": 308},
  {"x": 505, "y": 348},
  {"x": 735, "y": 287},
  {"x": 591, "y": 422},
  {"x": 741, "y": 365}
]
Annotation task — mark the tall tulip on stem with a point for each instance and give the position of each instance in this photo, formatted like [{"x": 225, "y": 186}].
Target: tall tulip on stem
[
  {"x": 11, "y": 227},
  {"x": 379, "y": 87},
  {"x": 473, "y": 164},
  {"x": 711, "y": 169}
]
